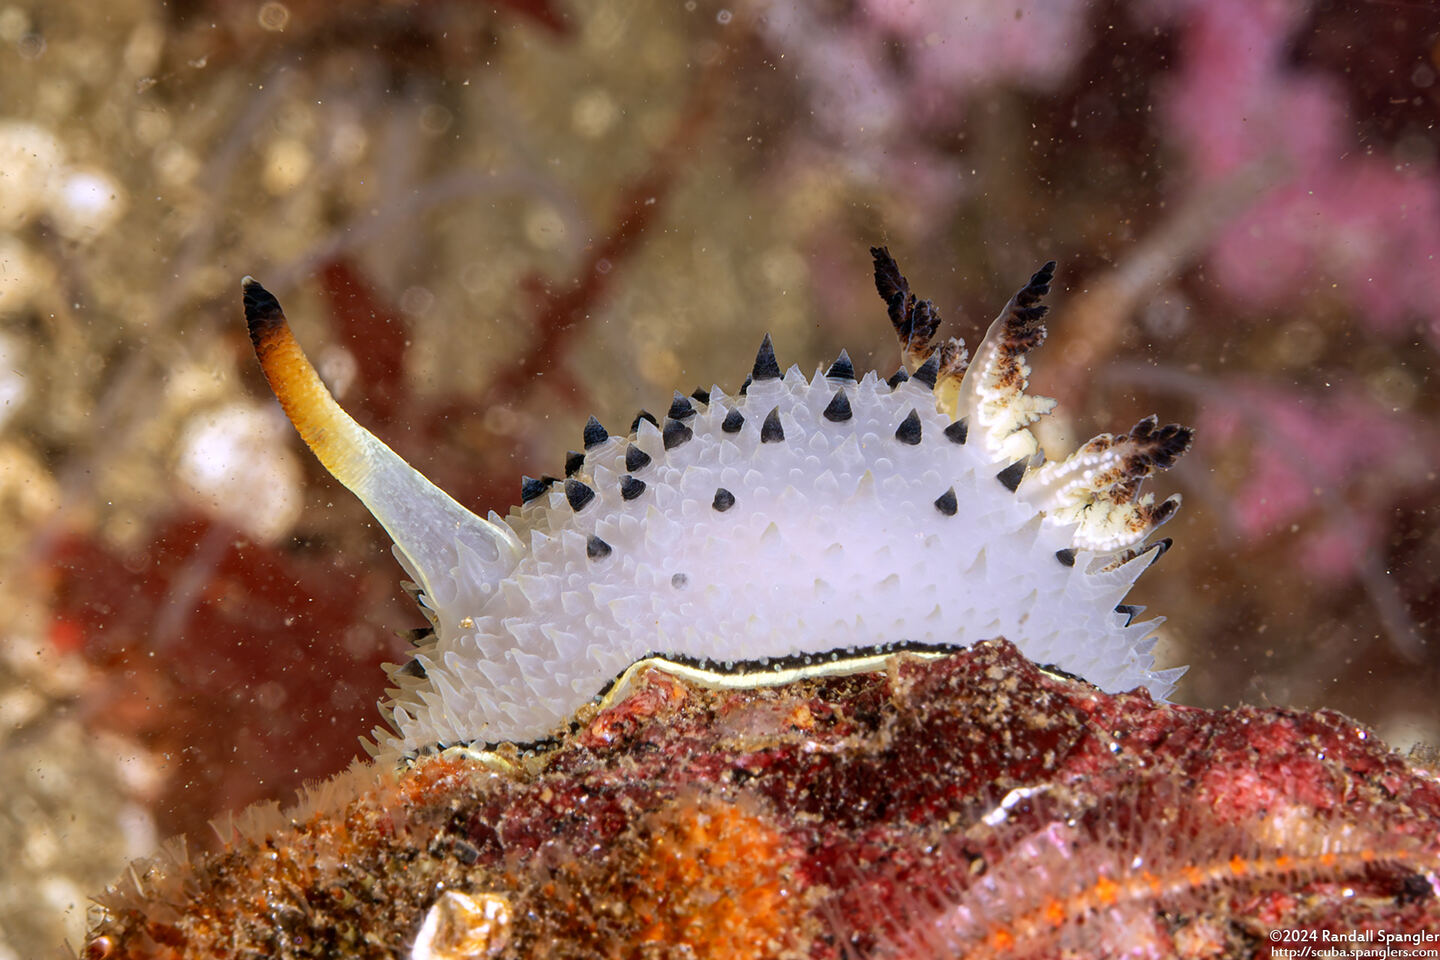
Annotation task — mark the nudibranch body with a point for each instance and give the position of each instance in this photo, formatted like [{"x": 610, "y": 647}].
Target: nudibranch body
[{"x": 801, "y": 525}]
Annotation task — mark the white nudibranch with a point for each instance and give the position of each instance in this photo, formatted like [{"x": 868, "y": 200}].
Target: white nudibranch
[{"x": 804, "y": 525}]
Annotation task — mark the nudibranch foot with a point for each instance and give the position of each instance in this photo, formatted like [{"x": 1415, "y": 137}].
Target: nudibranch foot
[{"x": 801, "y": 526}]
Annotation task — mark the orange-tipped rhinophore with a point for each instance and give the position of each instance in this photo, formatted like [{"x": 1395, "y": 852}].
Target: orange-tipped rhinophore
[
  {"x": 428, "y": 527},
  {"x": 334, "y": 437}
]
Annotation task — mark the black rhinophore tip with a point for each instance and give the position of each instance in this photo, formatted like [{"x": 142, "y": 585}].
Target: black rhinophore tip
[
  {"x": 766, "y": 366},
  {"x": 838, "y": 411},
  {"x": 574, "y": 460},
  {"x": 946, "y": 503},
  {"x": 958, "y": 431},
  {"x": 594, "y": 433},
  {"x": 636, "y": 459},
  {"x": 909, "y": 430},
  {"x": 929, "y": 371},
  {"x": 262, "y": 310},
  {"x": 771, "y": 430},
  {"x": 733, "y": 421},
  {"x": 578, "y": 494},
  {"x": 842, "y": 368},
  {"x": 630, "y": 488},
  {"x": 681, "y": 407},
  {"x": 1013, "y": 474},
  {"x": 596, "y": 549},
  {"x": 675, "y": 433},
  {"x": 1066, "y": 557},
  {"x": 532, "y": 488},
  {"x": 723, "y": 501}
]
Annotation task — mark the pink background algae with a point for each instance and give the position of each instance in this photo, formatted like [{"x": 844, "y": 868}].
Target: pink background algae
[
  {"x": 490, "y": 221},
  {"x": 1339, "y": 209}
]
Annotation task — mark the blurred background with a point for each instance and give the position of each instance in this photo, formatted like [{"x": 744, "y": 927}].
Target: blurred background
[{"x": 489, "y": 220}]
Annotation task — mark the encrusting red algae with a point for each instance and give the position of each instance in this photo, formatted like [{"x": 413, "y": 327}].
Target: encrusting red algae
[{"x": 970, "y": 805}]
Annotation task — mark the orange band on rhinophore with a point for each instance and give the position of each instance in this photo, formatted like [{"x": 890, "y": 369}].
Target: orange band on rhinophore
[
  {"x": 334, "y": 437},
  {"x": 431, "y": 530}
]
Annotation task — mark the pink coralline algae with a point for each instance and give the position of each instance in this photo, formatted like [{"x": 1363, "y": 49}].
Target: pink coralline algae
[
  {"x": 1366, "y": 222},
  {"x": 952, "y": 51},
  {"x": 1383, "y": 451},
  {"x": 882, "y": 76},
  {"x": 962, "y": 805}
]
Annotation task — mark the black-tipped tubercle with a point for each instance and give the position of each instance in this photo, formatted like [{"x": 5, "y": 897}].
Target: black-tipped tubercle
[
  {"x": 842, "y": 368},
  {"x": 675, "y": 433},
  {"x": 636, "y": 459},
  {"x": 578, "y": 494},
  {"x": 1011, "y": 476},
  {"x": 532, "y": 488},
  {"x": 929, "y": 371},
  {"x": 594, "y": 434},
  {"x": 681, "y": 408},
  {"x": 630, "y": 488},
  {"x": 838, "y": 410},
  {"x": 772, "y": 431},
  {"x": 909, "y": 431},
  {"x": 766, "y": 366}
]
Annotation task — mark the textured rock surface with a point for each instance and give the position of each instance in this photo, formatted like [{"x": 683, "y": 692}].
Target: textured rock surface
[{"x": 970, "y": 805}]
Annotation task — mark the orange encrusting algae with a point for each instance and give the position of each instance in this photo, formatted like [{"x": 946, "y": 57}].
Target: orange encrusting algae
[{"x": 711, "y": 880}]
